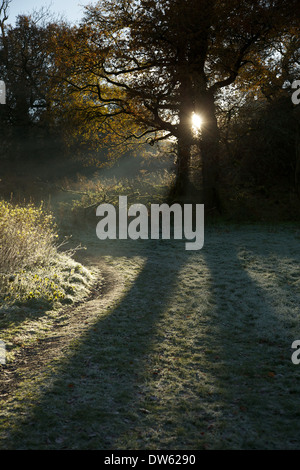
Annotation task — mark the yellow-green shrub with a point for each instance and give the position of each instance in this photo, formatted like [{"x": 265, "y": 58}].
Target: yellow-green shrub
[
  {"x": 27, "y": 236},
  {"x": 32, "y": 268}
]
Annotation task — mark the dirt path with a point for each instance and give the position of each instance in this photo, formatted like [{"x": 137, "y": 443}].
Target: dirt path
[{"x": 78, "y": 318}]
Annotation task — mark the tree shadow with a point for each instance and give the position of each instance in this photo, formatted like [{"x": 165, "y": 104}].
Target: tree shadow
[
  {"x": 94, "y": 396},
  {"x": 253, "y": 343},
  {"x": 236, "y": 383}
]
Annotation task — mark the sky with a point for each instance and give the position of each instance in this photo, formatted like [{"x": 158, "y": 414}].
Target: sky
[{"x": 72, "y": 10}]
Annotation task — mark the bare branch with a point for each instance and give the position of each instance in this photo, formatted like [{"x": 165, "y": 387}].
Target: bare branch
[
  {"x": 4, "y": 7},
  {"x": 239, "y": 63}
]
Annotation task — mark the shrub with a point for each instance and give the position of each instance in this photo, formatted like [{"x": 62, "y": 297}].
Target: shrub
[
  {"x": 33, "y": 271},
  {"x": 27, "y": 236}
]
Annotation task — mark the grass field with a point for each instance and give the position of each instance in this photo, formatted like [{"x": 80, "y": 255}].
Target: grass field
[{"x": 174, "y": 350}]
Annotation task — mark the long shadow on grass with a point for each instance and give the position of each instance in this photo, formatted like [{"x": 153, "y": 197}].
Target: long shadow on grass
[
  {"x": 95, "y": 395},
  {"x": 237, "y": 389},
  {"x": 255, "y": 374}
]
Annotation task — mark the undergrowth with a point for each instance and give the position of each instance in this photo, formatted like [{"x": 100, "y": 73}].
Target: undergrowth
[
  {"x": 83, "y": 197},
  {"x": 34, "y": 272}
]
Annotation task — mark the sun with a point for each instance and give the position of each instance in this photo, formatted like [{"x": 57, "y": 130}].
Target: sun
[{"x": 196, "y": 121}]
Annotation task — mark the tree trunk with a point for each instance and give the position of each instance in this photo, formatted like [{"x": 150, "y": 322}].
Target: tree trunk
[
  {"x": 182, "y": 187},
  {"x": 183, "y": 165},
  {"x": 209, "y": 147}
]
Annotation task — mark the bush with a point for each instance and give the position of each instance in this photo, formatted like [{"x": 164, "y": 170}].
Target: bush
[
  {"x": 32, "y": 270},
  {"x": 27, "y": 236}
]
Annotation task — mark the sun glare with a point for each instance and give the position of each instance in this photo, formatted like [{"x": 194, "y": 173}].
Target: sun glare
[{"x": 196, "y": 121}]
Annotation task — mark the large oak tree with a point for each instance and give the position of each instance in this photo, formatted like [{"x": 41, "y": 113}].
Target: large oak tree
[{"x": 145, "y": 66}]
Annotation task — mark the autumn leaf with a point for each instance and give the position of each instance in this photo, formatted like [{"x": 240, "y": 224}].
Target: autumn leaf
[{"x": 271, "y": 374}]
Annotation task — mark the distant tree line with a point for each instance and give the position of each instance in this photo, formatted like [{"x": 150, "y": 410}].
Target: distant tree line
[{"x": 26, "y": 126}]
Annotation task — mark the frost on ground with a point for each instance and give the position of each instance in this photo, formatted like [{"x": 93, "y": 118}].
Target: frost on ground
[{"x": 193, "y": 351}]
